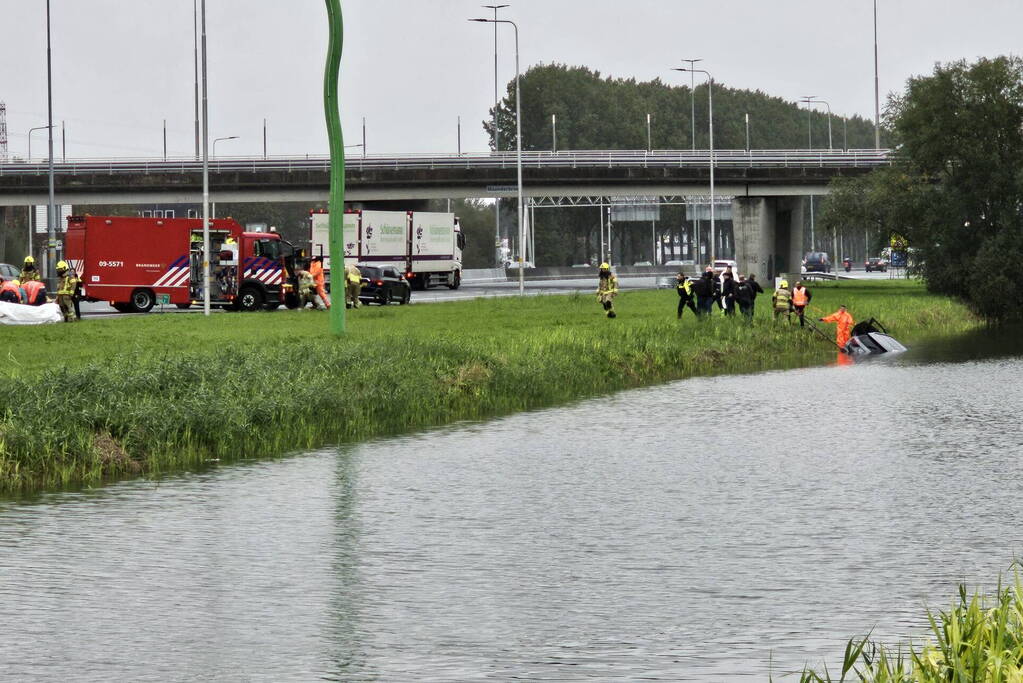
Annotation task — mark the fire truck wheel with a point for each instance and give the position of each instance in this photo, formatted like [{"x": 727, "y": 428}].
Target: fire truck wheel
[
  {"x": 250, "y": 299},
  {"x": 456, "y": 280},
  {"x": 142, "y": 300},
  {"x": 291, "y": 301}
]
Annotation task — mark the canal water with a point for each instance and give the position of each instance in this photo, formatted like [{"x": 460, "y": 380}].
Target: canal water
[{"x": 711, "y": 529}]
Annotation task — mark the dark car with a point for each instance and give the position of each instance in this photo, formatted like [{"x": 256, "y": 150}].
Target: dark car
[
  {"x": 384, "y": 284},
  {"x": 817, "y": 262},
  {"x": 876, "y": 264},
  {"x": 9, "y": 272}
]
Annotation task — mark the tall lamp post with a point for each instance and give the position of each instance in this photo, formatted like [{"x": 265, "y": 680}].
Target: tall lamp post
[
  {"x": 51, "y": 220},
  {"x": 692, "y": 96},
  {"x": 813, "y": 98},
  {"x": 877, "y": 90},
  {"x": 497, "y": 138},
  {"x": 518, "y": 151},
  {"x": 30, "y": 131},
  {"x": 205, "y": 176},
  {"x": 216, "y": 140},
  {"x": 710, "y": 116}
]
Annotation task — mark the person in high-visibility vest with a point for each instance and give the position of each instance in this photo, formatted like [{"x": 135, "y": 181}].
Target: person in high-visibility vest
[
  {"x": 800, "y": 300},
  {"x": 685, "y": 295},
  {"x": 782, "y": 300},
  {"x": 10, "y": 292},
  {"x": 316, "y": 269},
  {"x": 66, "y": 291},
  {"x": 844, "y": 324},
  {"x": 35, "y": 292},
  {"x": 607, "y": 289},
  {"x": 353, "y": 285},
  {"x": 28, "y": 271}
]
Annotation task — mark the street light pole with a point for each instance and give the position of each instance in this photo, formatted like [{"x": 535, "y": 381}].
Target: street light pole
[
  {"x": 814, "y": 99},
  {"x": 747, "y": 132},
  {"x": 195, "y": 51},
  {"x": 692, "y": 96},
  {"x": 518, "y": 151},
  {"x": 205, "y": 177},
  {"x": 809, "y": 131},
  {"x": 877, "y": 91},
  {"x": 649, "y": 141},
  {"x": 216, "y": 140},
  {"x": 497, "y": 138},
  {"x": 554, "y": 132},
  {"x": 710, "y": 116},
  {"x": 51, "y": 220},
  {"x": 30, "y": 131}
]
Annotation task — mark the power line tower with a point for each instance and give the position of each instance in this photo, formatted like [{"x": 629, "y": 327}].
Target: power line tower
[{"x": 3, "y": 132}]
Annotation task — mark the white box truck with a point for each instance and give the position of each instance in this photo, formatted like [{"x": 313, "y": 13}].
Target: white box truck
[{"x": 428, "y": 246}]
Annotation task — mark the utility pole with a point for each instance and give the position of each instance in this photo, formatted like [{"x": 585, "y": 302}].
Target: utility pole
[
  {"x": 205, "y": 177},
  {"x": 497, "y": 140},
  {"x": 195, "y": 49},
  {"x": 51, "y": 219},
  {"x": 264, "y": 139},
  {"x": 877, "y": 89}
]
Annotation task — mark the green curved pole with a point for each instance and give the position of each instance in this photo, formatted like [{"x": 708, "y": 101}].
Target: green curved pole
[{"x": 337, "y": 166}]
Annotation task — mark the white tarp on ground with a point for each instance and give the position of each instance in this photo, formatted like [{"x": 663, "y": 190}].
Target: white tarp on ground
[{"x": 20, "y": 314}]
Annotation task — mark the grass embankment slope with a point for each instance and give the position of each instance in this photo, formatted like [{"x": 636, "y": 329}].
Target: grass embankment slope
[{"x": 148, "y": 394}]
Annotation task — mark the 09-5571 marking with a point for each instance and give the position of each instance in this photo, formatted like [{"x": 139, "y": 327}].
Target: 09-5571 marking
[{"x": 111, "y": 264}]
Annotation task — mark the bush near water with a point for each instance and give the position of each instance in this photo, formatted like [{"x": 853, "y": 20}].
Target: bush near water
[{"x": 147, "y": 395}]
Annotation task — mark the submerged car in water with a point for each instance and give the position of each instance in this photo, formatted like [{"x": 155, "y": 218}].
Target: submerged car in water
[{"x": 871, "y": 338}]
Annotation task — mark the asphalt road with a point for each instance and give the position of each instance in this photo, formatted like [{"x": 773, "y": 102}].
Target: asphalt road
[{"x": 480, "y": 289}]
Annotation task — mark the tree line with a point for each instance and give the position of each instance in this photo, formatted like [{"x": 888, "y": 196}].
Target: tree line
[{"x": 955, "y": 193}]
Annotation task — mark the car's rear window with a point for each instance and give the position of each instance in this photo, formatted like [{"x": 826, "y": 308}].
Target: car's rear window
[{"x": 369, "y": 271}]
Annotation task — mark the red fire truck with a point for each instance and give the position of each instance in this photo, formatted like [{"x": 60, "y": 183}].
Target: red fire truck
[{"x": 133, "y": 263}]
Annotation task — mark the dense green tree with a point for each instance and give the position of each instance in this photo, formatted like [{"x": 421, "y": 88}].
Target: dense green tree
[
  {"x": 594, "y": 112},
  {"x": 956, "y": 191}
]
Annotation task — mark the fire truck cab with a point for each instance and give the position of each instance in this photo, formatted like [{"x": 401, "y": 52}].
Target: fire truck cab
[{"x": 134, "y": 263}]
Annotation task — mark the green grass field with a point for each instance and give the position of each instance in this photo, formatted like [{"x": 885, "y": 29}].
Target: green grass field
[{"x": 149, "y": 394}]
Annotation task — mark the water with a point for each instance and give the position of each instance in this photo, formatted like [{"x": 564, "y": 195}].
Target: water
[{"x": 712, "y": 529}]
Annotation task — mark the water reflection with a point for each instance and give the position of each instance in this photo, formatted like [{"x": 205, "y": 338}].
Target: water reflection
[{"x": 696, "y": 531}]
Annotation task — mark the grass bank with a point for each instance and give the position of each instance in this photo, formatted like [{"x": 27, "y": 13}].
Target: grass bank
[{"x": 115, "y": 397}]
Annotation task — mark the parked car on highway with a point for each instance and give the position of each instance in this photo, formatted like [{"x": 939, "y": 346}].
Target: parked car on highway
[
  {"x": 9, "y": 272},
  {"x": 876, "y": 263},
  {"x": 817, "y": 262},
  {"x": 514, "y": 265},
  {"x": 384, "y": 284}
]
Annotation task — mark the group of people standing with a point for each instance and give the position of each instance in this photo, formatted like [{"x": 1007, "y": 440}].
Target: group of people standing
[
  {"x": 28, "y": 288},
  {"x": 724, "y": 290}
]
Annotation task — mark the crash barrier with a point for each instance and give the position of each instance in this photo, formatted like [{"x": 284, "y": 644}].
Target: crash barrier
[{"x": 567, "y": 273}]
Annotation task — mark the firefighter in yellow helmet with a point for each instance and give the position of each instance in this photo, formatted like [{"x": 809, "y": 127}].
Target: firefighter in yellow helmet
[
  {"x": 782, "y": 301},
  {"x": 607, "y": 289},
  {"x": 353, "y": 285},
  {"x": 28, "y": 271},
  {"x": 66, "y": 291}
]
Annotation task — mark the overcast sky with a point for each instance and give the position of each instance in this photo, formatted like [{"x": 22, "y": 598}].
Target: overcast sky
[{"x": 412, "y": 67}]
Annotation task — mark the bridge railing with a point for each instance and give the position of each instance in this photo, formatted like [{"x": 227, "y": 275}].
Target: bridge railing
[{"x": 487, "y": 160}]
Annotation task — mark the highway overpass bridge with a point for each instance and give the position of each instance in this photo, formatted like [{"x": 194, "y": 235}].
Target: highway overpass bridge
[{"x": 767, "y": 187}]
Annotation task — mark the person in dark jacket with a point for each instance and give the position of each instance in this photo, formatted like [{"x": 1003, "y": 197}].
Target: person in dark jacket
[
  {"x": 686, "y": 294},
  {"x": 728, "y": 294},
  {"x": 704, "y": 289},
  {"x": 757, "y": 289},
  {"x": 744, "y": 297}
]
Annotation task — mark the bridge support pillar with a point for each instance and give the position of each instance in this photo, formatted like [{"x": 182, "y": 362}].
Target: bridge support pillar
[{"x": 768, "y": 236}]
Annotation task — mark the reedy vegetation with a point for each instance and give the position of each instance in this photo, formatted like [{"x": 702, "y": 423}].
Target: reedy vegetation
[
  {"x": 152, "y": 394},
  {"x": 978, "y": 639}
]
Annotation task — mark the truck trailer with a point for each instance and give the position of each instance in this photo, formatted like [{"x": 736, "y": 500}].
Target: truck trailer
[
  {"x": 427, "y": 245},
  {"x": 133, "y": 263}
]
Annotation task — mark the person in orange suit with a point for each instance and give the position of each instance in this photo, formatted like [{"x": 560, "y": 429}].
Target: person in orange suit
[
  {"x": 316, "y": 269},
  {"x": 844, "y": 324}
]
